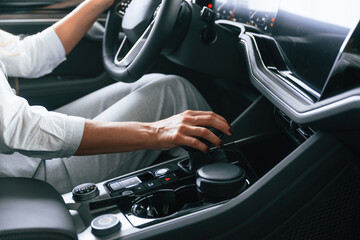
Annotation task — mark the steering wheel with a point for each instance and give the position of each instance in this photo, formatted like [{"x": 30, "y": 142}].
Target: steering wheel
[{"x": 148, "y": 26}]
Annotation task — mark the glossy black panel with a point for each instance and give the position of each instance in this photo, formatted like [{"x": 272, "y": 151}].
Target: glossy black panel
[
  {"x": 310, "y": 33},
  {"x": 310, "y": 46}
]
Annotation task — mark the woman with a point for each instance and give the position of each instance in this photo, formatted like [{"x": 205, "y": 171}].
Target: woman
[{"x": 121, "y": 126}]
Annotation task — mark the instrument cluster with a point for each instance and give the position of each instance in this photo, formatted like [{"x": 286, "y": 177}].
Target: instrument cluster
[{"x": 257, "y": 13}]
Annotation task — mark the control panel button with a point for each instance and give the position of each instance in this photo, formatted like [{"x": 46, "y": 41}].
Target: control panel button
[
  {"x": 115, "y": 186},
  {"x": 131, "y": 182},
  {"x": 161, "y": 172},
  {"x": 123, "y": 6},
  {"x": 168, "y": 178},
  {"x": 152, "y": 184},
  {"x": 138, "y": 188},
  {"x": 127, "y": 193},
  {"x": 105, "y": 225}
]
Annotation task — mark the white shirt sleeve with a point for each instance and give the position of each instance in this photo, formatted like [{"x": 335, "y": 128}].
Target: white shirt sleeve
[
  {"x": 34, "y": 131},
  {"x": 33, "y": 56}
]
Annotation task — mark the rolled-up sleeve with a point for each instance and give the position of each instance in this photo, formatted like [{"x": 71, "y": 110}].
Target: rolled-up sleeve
[
  {"x": 34, "y": 131},
  {"x": 32, "y": 56}
]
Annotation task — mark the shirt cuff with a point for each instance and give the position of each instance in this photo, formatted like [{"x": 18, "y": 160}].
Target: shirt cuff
[{"x": 74, "y": 133}]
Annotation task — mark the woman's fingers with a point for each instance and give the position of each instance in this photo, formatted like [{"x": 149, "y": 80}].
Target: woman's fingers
[
  {"x": 204, "y": 133},
  {"x": 208, "y": 119},
  {"x": 188, "y": 128},
  {"x": 195, "y": 143},
  {"x": 204, "y": 113},
  {"x": 211, "y": 121}
]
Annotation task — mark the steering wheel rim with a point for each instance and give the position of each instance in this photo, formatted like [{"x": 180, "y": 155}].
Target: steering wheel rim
[{"x": 161, "y": 30}]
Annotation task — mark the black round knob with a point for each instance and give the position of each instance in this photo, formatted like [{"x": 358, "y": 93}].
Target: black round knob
[
  {"x": 219, "y": 181},
  {"x": 85, "y": 192}
]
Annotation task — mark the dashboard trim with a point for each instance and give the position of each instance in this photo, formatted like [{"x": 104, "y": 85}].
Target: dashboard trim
[{"x": 295, "y": 107}]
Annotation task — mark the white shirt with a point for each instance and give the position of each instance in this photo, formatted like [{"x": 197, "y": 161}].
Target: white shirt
[{"x": 32, "y": 130}]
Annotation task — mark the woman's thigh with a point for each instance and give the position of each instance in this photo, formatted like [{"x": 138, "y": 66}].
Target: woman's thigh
[{"x": 96, "y": 102}]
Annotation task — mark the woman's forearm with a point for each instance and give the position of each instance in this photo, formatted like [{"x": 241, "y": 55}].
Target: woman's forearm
[
  {"x": 74, "y": 26},
  {"x": 112, "y": 137},
  {"x": 175, "y": 131}
]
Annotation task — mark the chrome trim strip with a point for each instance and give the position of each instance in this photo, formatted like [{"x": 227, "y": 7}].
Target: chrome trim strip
[
  {"x": 134, "y": 51},
  {"x": 288, "y": 83},
  {"x": 301, "y": 84},
  {"x": 283, "y": 78}
]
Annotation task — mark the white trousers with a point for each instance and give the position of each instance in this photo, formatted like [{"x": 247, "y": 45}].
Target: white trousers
[{"x": 151, "y": 98}]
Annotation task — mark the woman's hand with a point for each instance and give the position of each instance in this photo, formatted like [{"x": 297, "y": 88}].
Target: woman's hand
[{"x": 181, "y": 129}]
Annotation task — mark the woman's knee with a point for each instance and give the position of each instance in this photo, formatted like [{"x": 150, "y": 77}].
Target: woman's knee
[{"x": 174, "y": 81}]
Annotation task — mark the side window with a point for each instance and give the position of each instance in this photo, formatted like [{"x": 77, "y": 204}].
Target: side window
[{"x": 24, "y": 6}]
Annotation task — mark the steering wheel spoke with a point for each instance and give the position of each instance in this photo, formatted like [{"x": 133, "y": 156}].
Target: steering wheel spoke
[
  {"x": 148, "y": 43},
  {"x": 134, "y": 51}
]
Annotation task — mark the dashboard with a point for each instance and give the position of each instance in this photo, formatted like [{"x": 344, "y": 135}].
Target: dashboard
[
  {"x": 302, "y": 55},
  {"x": 298, "y": 52},
  {"x": 297, "y": 141},
  {"x": 309, "y": 35}
]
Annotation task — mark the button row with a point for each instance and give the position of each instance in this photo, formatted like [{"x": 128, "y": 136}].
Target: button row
[
  {"x": 123, "y": 6},
  {"x": 82, "y": 190},
  {"x": 161, "y": 172},
  {"x": 168, "y": 178},
  {"x": 134, "y": 184},
  {"x": 127, "y": 183}
]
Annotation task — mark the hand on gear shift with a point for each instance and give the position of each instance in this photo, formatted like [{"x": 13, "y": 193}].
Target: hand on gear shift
[{"x": 198, "y": 158}]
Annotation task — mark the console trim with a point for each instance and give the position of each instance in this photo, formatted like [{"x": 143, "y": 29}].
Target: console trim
[{"x": 294, "y": 106}]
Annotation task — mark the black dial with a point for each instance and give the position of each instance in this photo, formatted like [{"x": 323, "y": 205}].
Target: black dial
[{"x": 85, "y": 191}]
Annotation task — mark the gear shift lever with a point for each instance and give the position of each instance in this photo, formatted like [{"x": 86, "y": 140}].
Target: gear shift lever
[{"x": 198, "y": 158}]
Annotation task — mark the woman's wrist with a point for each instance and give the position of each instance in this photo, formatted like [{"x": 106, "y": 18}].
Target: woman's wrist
[{"x": 102, "y": 4}]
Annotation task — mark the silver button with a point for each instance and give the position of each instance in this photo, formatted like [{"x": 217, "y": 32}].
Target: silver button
[
  {"x": 161, "y": 172},
  {"x": 116, "y": 186},
  {"x": 131, "y": 182}
]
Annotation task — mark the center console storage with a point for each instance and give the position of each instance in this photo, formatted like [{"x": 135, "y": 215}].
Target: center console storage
[{"x": 171, "y": 190}]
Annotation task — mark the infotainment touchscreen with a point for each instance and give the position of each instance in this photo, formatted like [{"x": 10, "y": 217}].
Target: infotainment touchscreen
[{"x": 310, "y": 33}]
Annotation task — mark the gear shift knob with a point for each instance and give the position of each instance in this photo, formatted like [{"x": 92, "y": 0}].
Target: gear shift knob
[{"x": 198, "y": 158}]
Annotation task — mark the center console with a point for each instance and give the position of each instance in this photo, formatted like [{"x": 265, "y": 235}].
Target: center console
[
  {"x": 162, "y": 192},
  {"x": 268, "y": 173},
  {"x": 181, "y": 187},
  {"x": 171, "y": 190},
  {"x": 270, "y": 179}
]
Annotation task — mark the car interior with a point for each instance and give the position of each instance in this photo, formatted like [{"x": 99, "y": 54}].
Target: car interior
[{"x": 284, "y": 73}]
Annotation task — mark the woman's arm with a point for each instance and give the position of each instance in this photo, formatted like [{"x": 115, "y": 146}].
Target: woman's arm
[
  {"x": 39, "y": 54},
  {"x": 178, "y": 130},
  {"x": 75, "y": 25}
]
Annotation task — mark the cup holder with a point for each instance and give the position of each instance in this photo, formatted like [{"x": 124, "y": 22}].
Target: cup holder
[{"x": 165, "y": 202}]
